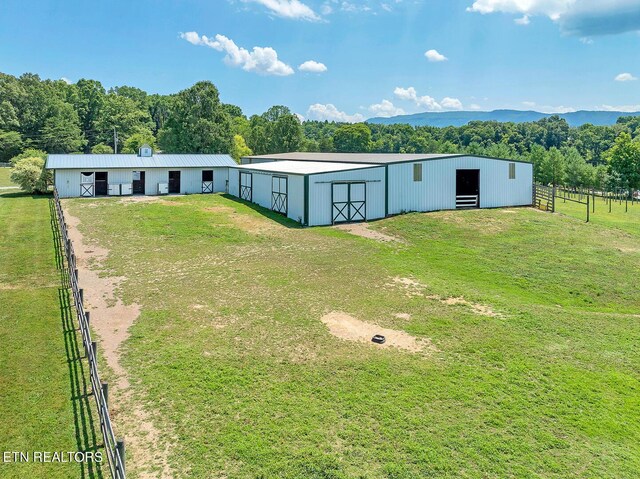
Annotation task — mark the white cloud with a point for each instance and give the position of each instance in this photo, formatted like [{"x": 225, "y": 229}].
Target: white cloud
[
  {"x": 427, "y": 102},
  {"x": 329, "y": 112},
  {"x": 623, "y": 108},
  {"x": 532, "y": 105},
  {"x": 66, "y": 80},
  {"x": 293, "y": 9},
  {"x": 312, "y": 67},
  {"x": 451, "y": 104},
  {"x": 583, "y": 18},
  {"x": 475, "y": 107},
  {"x": 625, "y": 77},
  {"x": 435, "y": 56},
  {"x": 524, "y": 20},
  {"x": 261, "y": 60},
  {"x": 529, "y": 104},
  {"x": 385, "y": 109}
]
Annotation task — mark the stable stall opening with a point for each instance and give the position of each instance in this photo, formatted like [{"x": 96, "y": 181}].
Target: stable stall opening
[
  {"x": 138, "y": 183},
  {"x": 246, "y": 186},
  {"x": 279, "y": 194},
  {"x": 174, "y": 182},
  {"x": 102, "y": 183},
  {"x": 348, "y": 202},
  {"x": 467, "y": 189},
  {"x": 207, "y": 181}
]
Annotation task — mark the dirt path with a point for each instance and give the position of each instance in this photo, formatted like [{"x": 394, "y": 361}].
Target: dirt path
[
  {"x": 363, "y": 230},
  {"x": 147, "y": 454}
]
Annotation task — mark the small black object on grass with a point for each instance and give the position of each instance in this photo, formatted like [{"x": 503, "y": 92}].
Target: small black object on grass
[{"x": 379, "y": 338}]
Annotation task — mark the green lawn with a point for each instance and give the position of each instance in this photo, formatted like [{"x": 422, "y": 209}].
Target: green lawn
[
  {"x": 44, "y": 405},
  {"x": 230, "y": 354},
  {"x": 4, "y": 177}
]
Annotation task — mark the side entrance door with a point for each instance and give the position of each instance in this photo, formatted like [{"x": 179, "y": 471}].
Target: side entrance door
[
  {"x": 348, "y": 202},
  {"x": 102, "y": 186},
  {"x": 246, "y": 186},
  {"x": 174, "y": 182},
  {"x": 207, "y": 181},
  {"x": 467, "y": 189},
  {"x": 138, "y": 182},
  {"x": 279, "y": 190}
]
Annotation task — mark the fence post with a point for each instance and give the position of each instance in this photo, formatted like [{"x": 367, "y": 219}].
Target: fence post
[
  {"x": 587, "y": 208},
  {"x": 94, "y": 350},
  {"x": 87, "y": 315},
  {"x": 121, "y": 452},
  {"x": 553, "y": 199},
  {"x": 105, "y": 393},
  {"x": 81, "y": 293}
]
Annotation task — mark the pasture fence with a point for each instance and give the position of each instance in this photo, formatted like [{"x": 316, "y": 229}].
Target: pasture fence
[{"x": 114, "y": 448}]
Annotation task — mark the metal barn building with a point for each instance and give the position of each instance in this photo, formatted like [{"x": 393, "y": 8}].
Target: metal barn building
[
  {"x": 143, "y": 174},
  {"x": 380, "y": 184},
  {"x": 313, "y": 193}
]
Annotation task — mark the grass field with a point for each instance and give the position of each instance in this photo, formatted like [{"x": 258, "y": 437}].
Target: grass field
[
  {"x": 244, "y": 380},
  {"x": 4, "y": 177},
  {"x": 44, "y": 404}
]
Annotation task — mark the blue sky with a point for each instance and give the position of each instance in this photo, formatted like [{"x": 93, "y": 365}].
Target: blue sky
[{"x": 363, "y": 58}]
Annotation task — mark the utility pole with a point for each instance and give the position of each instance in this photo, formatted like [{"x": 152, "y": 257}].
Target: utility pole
[{"x": 115, "y": 140}]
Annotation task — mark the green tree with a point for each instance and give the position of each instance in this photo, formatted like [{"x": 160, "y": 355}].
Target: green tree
[
  {"x": 123, "y": 114},
  {"x": 624, "y": 161},
  {"x": 239, "y": 148},
  {"x": 198, "y": 122},
  {"x": 10, "y": 144},
  {"x": 552, "y": 169},
  {"x": 101, "y": 148},
  {"x": 88, "y": 103},
  {"x": 61, "y": 131},
  {"x": 30, "y": 175},
  {"x": 577, "y": 172},
  {"x": 135, "y": 141},
  {"x": 352, "y": 138}
]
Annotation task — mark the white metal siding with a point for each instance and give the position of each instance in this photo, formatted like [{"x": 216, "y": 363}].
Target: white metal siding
[
  {"x": 68, "y": 181},
  {"x": 320, "y": 207},
  {"x": 437, "y": 190},
  {"x": 234, "y": 182}
]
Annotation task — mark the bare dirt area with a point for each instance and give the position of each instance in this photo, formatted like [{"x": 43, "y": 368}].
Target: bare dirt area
[
  {"x": 110, "y": 320},
  {"x": 413, "y": 288},
  {"x": 363, "y": 230},
  {"x": 347, "y": 327}
]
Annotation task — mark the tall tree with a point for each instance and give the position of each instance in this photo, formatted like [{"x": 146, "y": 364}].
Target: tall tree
[
  {"x": 61, "y": 131},
  {"x": 624, "y": 161},
  {"x": 352, "y": 138},
  {"x": 198, "y": 122}
]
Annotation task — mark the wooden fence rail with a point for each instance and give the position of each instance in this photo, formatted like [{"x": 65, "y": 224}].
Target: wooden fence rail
[{"x": 115, "y": 450}]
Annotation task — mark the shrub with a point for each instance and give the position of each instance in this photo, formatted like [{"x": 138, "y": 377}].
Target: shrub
[{"x": 30, "y": 174}]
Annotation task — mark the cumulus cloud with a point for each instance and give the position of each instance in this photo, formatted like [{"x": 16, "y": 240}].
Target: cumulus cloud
[
  {"x": 312, "y": 67},
  {"x": 625, "y": 77},
  {"x": 261, "y": 60},
  {"x": 427, "y": 102},
  {"x": 385, "y": 109},
  {"x": 435, "y": 56},
  {"x": 329, "y": 112},
  {"x": 66, "y": 80},
  {"x": 524, "y": 20},
  {"x": 623, "y": 108},
  {"x": 583, "y": 18},
  {"x": 293, "y": 9}
]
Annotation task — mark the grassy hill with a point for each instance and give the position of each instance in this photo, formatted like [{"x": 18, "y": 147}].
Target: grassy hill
[{"x": 532, "y": 322}]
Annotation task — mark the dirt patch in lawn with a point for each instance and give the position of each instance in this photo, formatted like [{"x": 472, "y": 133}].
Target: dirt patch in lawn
[
  {"x": 363, "y": 230},
  {"x": 110, "y": 320},
  {"x": 349, "y": 328}
]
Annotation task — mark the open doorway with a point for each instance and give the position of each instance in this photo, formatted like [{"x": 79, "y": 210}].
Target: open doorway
[
  {"x": 102, "y": 180},
  {"x": 467, "y": 189},
  {"x": 138, "y": 182},
  {"x": 174, "y": 182}
]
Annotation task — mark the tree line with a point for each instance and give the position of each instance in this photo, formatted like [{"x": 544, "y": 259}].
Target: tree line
[{"x": 54, "y": 116}]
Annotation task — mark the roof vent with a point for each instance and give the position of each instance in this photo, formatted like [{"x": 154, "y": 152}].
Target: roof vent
[{"x": 145, "y": 151}]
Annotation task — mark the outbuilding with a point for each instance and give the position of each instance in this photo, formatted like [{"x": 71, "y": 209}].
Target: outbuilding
[
  {"x": 143, "y": 174},
  {"x": 313, "y": 193},
  {"x": 412, "y": 182}
]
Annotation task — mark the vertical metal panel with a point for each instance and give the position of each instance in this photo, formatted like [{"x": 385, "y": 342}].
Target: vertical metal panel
[
  {"x": 437, "y": 190},
  {"x": 320, "y": 193},
  {"x": 234, "y": 182}
]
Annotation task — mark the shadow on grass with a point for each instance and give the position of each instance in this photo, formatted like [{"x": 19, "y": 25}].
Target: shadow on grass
[
  {"x": 22, "y": 194},
  {"x": 272, "y": 215},
  {"x": 87, "y": 438}
]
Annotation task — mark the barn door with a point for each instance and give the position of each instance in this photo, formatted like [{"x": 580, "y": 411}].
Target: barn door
[
  {"x": 246, "y": 186},
  {"x": 279, "y": 190},
  {"x": 102, "y": 183},
  {"x": 348, "y": 202},
  {"x": 467, "y": 189},
  {"x": 207, "y": 181},
  {"x": 87, "y": 180},
  {"x": 174, "y": 182}
]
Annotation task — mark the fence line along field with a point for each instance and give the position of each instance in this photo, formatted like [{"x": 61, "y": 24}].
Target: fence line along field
[{"x": 515, "y": 332}]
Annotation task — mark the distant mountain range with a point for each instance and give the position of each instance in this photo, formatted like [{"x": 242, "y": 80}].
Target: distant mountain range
[{"x": 459, "y": 118}]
